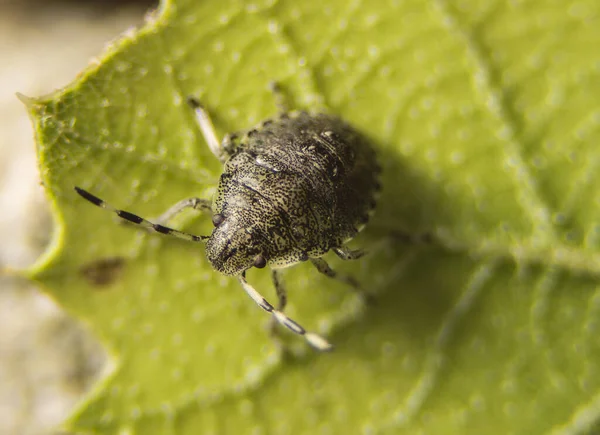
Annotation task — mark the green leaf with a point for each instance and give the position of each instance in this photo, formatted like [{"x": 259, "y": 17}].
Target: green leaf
[{"x": 486, "y": 116}]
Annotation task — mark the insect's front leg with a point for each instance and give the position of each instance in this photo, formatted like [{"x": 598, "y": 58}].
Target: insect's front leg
[
  {"x": 281, "y": 303},
  {"x": 325, "y": 269},
  {"x": 346, "y": 253},
  {"x": 202, "y": 205}
]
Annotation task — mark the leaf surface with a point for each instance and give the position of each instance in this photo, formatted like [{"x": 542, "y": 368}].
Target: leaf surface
[{"x": 486, "y": 117}]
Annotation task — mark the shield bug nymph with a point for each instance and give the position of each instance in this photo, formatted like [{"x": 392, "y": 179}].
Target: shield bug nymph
[{"x": 293, "y": 188}]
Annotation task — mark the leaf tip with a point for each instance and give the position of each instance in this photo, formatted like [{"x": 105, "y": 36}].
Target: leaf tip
[
  {"x": 27, "y": 101},
  {"x": 31, "y": 104}
]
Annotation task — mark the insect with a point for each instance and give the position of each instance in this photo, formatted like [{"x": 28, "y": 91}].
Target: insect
[{"x": 293, "y": 188}]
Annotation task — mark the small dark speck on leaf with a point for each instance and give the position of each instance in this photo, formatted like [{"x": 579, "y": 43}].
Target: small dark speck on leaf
[{"x": 104, "y": 271}]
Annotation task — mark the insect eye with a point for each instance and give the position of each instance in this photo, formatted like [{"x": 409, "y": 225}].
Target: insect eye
[
  {"x": 217, "y": 219},
  {"x": 260, "y": 261}
]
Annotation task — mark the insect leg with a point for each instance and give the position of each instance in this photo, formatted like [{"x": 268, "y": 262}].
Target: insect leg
[
  {"x": 279, "y": 289},
  {"x": 281, "y": 298},
  {"x": 314, "y": 340},
  {"x": 207, "y": 129},
  {"x": 130, "y": 217},
  {"x": 196, "y": 203},
  {"x": 282, "y": 106},
  {"x": 325, "y": 269},
  {"x": 416, "y": 239},
  {"x": 346, "y": 253}
]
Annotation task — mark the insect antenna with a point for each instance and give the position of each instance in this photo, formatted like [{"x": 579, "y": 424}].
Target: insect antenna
[
  {"x": 314, "y": 340},
  {"x": 135, "y": 219}
]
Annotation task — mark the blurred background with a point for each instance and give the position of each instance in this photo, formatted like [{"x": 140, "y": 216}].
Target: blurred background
[{"x": 47, "y": 360}]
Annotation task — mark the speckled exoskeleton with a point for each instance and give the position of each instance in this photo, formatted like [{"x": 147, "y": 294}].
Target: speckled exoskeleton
[{"x": 293, "y": 188}]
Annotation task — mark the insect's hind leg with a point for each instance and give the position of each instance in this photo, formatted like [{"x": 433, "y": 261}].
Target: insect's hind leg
[
  {"x": 325, "y": 269},
  {"x": 280, "y": 99},
  {"x": 412, "y": 239},
  {"x": 207, "y": 129}
]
